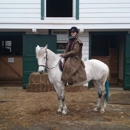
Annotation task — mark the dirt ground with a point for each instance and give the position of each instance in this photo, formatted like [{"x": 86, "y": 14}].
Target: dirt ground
[{"x": 21, "y": 110}]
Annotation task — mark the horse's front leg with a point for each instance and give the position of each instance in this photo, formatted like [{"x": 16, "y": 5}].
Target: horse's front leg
[
  {"x": 61, "y": 96},
  {"x": 64, "y": 112},
  {"x": 60, "y": 109},
  {"x": 62, "y": 99}
]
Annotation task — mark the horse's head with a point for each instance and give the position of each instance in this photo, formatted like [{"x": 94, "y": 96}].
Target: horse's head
[{"x": 41, "y": 53}]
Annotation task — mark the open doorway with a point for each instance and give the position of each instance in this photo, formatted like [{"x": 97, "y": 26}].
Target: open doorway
[{"x": 109, "y": 48}]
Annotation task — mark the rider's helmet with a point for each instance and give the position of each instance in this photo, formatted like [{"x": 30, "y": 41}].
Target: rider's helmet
[{"x": 74, "y": 29}]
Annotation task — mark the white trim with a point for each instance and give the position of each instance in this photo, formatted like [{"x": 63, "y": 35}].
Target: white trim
[
  {"x": 44, "y": 9},
  {"x": 64, "y": 21},
  {"x": 61, "y": 18},
  {"x": 63, "y": 30},
  {"x": 64, "y": 41},
  {"x": 64, "y": 26},
  {"x": 60, "y": 49},
  {"x": 74, "y": 9}
]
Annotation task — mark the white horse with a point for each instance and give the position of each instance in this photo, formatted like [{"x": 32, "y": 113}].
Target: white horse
[{"x": 96, "y": 71}]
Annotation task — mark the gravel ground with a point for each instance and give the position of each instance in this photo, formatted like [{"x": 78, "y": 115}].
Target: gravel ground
[{"x": 21, "y": 110}]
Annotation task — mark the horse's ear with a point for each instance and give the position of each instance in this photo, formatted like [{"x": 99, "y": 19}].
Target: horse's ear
[
  {"x": 46, "y": 47},
  {"x": 37, "y": 48}
]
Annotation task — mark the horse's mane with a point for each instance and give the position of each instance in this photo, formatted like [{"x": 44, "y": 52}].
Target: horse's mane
[{"x": 52, "y": 55}]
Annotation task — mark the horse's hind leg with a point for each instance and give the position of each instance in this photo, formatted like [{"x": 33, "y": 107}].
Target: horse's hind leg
[
  {"x": 101, "y": 103},
  {"x": 103, "y": 107},
  {"x": 99, "y": 95},
  {"x": 103, "y": 94}
]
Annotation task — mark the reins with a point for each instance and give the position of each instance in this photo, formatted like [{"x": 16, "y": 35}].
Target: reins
[
  {"x": 51, "y": 67},
  {"x": 46, "y": 64}
]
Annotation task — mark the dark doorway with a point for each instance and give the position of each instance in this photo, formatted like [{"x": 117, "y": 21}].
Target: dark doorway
[
  {"x": 102, "y": 43},
  {"x": 59, "y": 8},
  {"x": 11, "y": 58},
  {"x": 108, "y": 48}
]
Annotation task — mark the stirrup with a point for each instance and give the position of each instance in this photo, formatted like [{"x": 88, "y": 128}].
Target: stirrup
[
  {"x": 70, "y": 83},
  {"x": 66, "y": 84}
]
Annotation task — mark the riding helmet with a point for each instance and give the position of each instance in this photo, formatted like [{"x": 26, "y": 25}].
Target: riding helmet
[{"x": 74, "y": 29}]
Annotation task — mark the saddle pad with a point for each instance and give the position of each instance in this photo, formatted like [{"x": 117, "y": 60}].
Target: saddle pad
[{"x": 60, "y": 65}]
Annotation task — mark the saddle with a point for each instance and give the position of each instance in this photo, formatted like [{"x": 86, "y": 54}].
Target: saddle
[{"x": 61, "y": 64}]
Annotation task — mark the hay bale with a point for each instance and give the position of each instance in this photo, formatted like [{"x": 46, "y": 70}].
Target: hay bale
[
  {"x": 39, "y": 87},
  {"x": 39, "y": 83},
  {"x": 36, "y": 77}
]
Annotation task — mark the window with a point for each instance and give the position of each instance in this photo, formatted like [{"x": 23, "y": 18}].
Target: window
[
  {"x": 61, "y": 46},
  {"x": 58, "y": 9},
  {"x": 11, "y": 45},
  {"x": 62, "y": 38},
  {"x": 7, "y": 45}
]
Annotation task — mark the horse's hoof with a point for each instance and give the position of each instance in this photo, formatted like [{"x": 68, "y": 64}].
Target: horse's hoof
[
  {"x": 95, "y": 109},
  {"x": 58, "y": 112},
  {"x": 102, "y": 110},
  {"x": 64, "y": 112}
]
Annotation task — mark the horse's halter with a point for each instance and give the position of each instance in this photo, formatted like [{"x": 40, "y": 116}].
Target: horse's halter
[{"x": 46, "y": 64}]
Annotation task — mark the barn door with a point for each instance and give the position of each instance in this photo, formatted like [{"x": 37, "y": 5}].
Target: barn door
[
  {"x": 127, "y": 63},
  {"x": 29, "y": 54}
]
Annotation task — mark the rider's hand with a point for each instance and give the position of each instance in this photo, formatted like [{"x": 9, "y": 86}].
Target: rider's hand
[{"x": 62, "y": 55}]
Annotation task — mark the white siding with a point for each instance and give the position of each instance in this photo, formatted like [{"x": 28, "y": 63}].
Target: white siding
[
  {"x": 105, "y": 11},
  {"x": 85, "y": 39},
  {"x": 11, "y": 10},
  {"x": 93, "y": 14},
  {"x": 85, "y": 50}
]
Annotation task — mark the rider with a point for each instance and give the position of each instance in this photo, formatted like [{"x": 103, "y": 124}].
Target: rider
[{"x": 73, "y": 71}]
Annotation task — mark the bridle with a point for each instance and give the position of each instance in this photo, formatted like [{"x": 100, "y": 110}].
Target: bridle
[{"x": 46, "y": 63}]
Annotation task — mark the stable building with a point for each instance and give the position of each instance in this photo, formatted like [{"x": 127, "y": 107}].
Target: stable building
[{"x": 104, "y": 28}]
